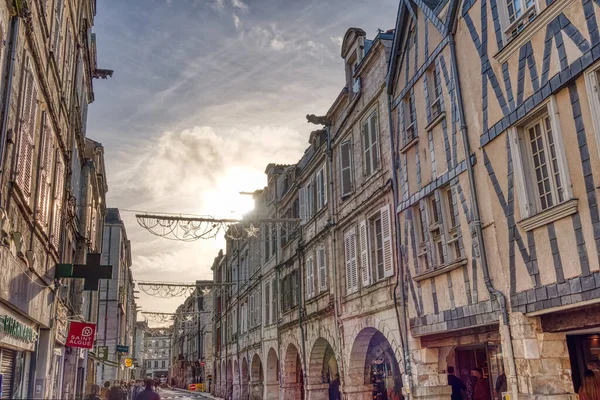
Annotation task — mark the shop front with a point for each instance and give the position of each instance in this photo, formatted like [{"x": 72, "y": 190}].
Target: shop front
[{"x": 18, "y": 338}]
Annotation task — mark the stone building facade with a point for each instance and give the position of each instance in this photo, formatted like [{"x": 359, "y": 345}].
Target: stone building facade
[
  {"x": 157, "y": 345},
  {"x": 117, "y": 311},
  {"x": 48, "y": 60}
]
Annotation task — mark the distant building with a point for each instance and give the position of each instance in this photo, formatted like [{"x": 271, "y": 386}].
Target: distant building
[
  {"x": 117, "y": 311},
  {"x": 157, "y": 352},
  {"x": 139, "y": 350}
]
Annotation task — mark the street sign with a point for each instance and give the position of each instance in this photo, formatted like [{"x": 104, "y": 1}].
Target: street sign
[
  {"x": 202, "y": 363},
  {"x": 122, "y": 349},
  {"x": 193, "y": 387},
  {"x": 81, "y": 335},
  {"x": 103, "y": 352}
]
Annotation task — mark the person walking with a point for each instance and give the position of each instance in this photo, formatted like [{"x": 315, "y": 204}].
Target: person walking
[
  {"x": 458, "y": 387},
  {"x": 471, "y": 382},
  {"x": 590, "y": 387},
  {"x": 148, "y": 393},
  {"x": 482, "y": 387},
  {"x": 334, "y": 388},
  {"x": 94, "y": 393},
  {"x": 105, "y": 390}
]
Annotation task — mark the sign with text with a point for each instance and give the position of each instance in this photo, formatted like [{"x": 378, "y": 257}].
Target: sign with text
[
  {"x": 103, "y": 352},
  {"x": 81, "y": 335},
  {"x": 122, "y": 349}
]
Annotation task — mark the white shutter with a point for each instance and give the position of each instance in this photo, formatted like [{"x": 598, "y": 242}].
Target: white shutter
[
  {"x": 386, "y": 233},
  {"x": 350, "y": 258},
  {"x": 346, "y": 167},
  {"x": 26, "y": 141},
  {"x": 310, "y": 278},
  {"x": 322, "y": 263},
  {"x": 366, "y": 148},
  {"x": 323, "y": 177},
  {"x": 310, "y": 199},
  {"x": 302, "y": 205},
  {"x": 319, "y": 190},
  {"x": 365, "y": 264},
  {"x": 59, "y": 187}
]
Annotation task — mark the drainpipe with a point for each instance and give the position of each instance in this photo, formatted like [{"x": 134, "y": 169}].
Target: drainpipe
[
  {"x": 299, "y": 299},
  {"x": 336, "y": 310},
  {"x": 476, "y": 225},
  {"x": 402, "y": 320},
  {"x": 10, "y": 65}
]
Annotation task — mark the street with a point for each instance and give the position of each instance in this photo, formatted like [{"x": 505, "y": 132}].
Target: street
[{"x": 176, "y": 394}]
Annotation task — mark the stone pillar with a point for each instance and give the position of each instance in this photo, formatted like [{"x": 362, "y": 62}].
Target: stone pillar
[
  {"x": 357, "y": 392},
  {"x": 318, "y": 391},
  {"x": 244, "y": 394},
  {"x": 271, "y": 391},
  {"x": 292, "y": 391},
  {"x": 542, "y": 361},
  {"x": 432, "y": 392},
  {"x": 257, "y": 391}
]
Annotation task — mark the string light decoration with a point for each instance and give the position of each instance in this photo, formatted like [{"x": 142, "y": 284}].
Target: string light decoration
[
  {"x": 163, "y": 318},
  {"x": 168, "y": 290},
  {"x": 189, "y": 229}
]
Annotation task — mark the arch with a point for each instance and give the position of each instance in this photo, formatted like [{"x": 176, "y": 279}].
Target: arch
[
  {"x": 236, "y": 371},
  {"x": 372, "y": 358},
  {"x": 229, "y": 372},
  {"x": 256, "y": 369},
  {"x": 323, "y": 364},
  {"x": 272, "y": 367},
  {"x": 223, "y": 372},
  {"x": 293, "y": 376},
  {"x": 245, "y": 379},
  {"x": 351, "y": 35}
]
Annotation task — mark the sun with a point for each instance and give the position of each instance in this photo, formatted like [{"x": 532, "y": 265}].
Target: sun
[{"x": 225, "y": 201}]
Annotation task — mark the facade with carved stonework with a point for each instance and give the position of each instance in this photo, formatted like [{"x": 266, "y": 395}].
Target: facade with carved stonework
[{"x": 495, "y": 117}]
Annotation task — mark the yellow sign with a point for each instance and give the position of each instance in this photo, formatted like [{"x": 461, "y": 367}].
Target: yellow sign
[{"x": 128, "y": 362}]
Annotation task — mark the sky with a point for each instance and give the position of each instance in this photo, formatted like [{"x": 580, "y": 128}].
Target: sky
[{"x": 205, "y": 94}]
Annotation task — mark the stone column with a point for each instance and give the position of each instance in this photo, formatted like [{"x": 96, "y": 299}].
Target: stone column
[
  {"x": 318, "y": 391},
  {"x": 271, "y": 391},
  {"x": 357, "y": 392},
  {"x": 292, "y": 391},
  {"x": 543, "y": 367},
  {"x": 432, "y": 392}
]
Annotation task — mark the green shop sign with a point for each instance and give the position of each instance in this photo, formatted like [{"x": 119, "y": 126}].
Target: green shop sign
[{"x": 17, "y": 330}]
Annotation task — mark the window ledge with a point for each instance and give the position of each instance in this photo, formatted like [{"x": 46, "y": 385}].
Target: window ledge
[
  {"x": 442, "y": 269},
  {"x": 540, "y": 21},
  {"x": 410, "y": 144},
  {"x": 435, "y": 121},
  {"x": 550, "y": 215}
]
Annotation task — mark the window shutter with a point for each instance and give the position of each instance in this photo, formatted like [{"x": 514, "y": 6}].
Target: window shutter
[
  {"x": 346, "y": 167},
  {"x": 274, "y": 305},
  {"x": 45, "y": 182},
  {"x": 56, "y": 34},
  {"x": 350, "y": 250},
  {"x": 365, "y": 264},
  {"x": 302, "y": 204},
  {"x": 374, "y": 144},
  {"x": 26, "y": 142},
  {"x": 322, "y": 263},
  {"x": 59, "y": 187},
  {"x": 388, "y": 252},
  {"x": 267, "y": 304},
  {"x": 366, "y": 147},
  {"x": 310, "y": 278},
  {"x": 319, "y": 189}
]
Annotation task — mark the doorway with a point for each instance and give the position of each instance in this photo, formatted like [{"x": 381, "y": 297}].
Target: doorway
[
  {"x": 584, "y": 353},
  {"x": 487, "y": 357}
]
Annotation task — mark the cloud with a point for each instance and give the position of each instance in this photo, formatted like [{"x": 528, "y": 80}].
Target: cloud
[
  {"x": 237, "y": 22},
  {"x": 239, "y": 4},
  {"x": 277, "y": 44},
  {"x": 337, "y": 40}
]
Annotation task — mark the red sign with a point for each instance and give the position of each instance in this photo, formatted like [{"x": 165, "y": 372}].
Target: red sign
[
  {"x": 202, "y": 364},
  {"x": 193, "y": 387},
  {"x": 81, "y": 334}
]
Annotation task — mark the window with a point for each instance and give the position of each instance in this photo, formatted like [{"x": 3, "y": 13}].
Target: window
[
  {"x": 540, "y": 164},
  {"x": 156, "y": 364},
  {"x": 370, "y": 145},
  {"x": 310, "y": 277},
  {"x": 518, "y": 14},
  {"x": 434, "y": 92},
  {"x": 149, "y": 364},
  {"x": 267, "y": 304},
  {"x": 163, "y": 364},
  {"x": 420, "y": 229},
  {"x": 410, "y": 126},
  {"x": 27, "y": 133},
  {"x": 346, "y": 167},
  {"x": 274, "y": 302},
  {"x": 592, "y": 81},
  {"x": 350, "y": 260},
  {"x": 57, "y": 36},
  {"x": 322, "y": 265},
  {"x": 321, "y": 188},
  {"x": 376, "y": 254},
  {"x": 46, "y": 170},
  {"x": 435, "y": 229}
]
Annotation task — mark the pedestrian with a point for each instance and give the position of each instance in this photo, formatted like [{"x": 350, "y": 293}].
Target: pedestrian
[
  {"x": 116, "y": 392},
  {"x": 458, "y": 387},
  {"x": 148, "y": 393},
  {"x": 139, "y": 386},
  {"x": 501, "y": 386},
  {"x": 482, "y": 387},
  {"x": 471, "y": 382},
  {"x": 94, "y": 393},
  {"x": 395, "y": 393},
  {"x": 105, "y": 391},
  {"x": 334, "y": 388},
  {"x": 590, "y": 388}
]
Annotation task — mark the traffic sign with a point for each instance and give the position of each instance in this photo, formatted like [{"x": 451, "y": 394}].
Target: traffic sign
[
  {"x": 122, "y": 349},
  {"x": 202, "y": 364},
  {"x": 128, "y": 362},
  {"x": 193, "y": 387}
]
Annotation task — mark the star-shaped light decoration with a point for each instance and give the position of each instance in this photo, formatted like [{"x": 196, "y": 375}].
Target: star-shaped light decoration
[{"x": 252, "y": 231}]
